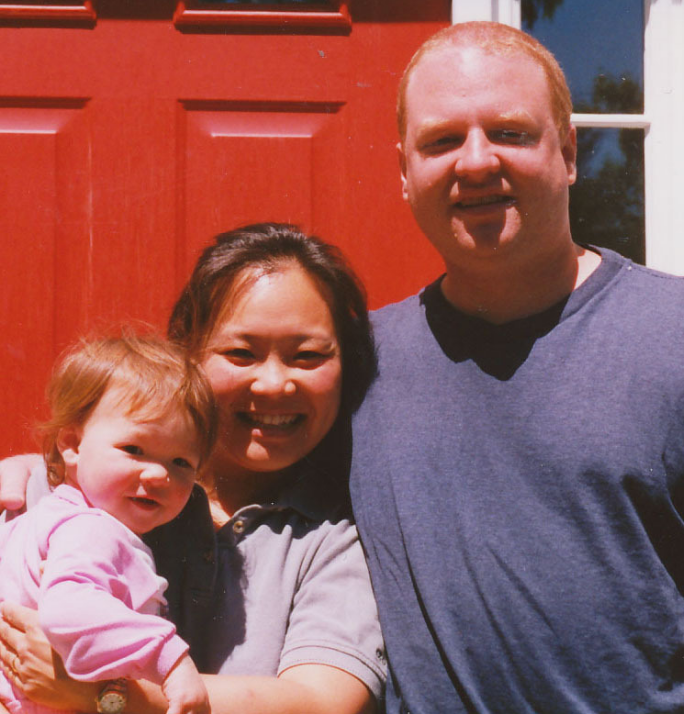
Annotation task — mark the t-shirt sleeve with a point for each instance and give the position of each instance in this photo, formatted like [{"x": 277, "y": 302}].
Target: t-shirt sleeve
[
  {"x": 91, "y": 585},
  {"x": 334, "y": 619}
]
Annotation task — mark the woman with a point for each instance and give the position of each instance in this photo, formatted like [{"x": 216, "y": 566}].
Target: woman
[{"x": 267, "y": 579}]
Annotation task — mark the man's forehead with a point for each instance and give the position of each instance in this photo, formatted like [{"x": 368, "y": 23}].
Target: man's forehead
[
  {"x": 468, "y": 52},
  {"x": 450, "y": 62}
]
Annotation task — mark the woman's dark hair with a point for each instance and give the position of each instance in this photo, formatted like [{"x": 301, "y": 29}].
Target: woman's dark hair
[{"x": 269, "y": 247}]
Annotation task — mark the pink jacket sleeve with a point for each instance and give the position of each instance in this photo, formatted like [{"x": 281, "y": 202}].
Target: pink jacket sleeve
[{"x": 93, "y": 582}]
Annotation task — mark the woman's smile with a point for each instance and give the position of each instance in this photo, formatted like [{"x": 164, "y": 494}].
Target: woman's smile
[
  {"x": 262, "y": 420},
  {"x": 275, "y": 366}
]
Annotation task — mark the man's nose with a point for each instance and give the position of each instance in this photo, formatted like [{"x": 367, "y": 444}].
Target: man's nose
[
  {"x": 273, "y": 377},
  {"x": 476, "y": 158}
]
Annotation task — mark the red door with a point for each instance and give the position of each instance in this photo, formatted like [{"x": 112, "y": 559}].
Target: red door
[{"x": 132, "y": 131}]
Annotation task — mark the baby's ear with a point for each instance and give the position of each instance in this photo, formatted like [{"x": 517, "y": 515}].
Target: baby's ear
[{"x": 68, "y": 441}]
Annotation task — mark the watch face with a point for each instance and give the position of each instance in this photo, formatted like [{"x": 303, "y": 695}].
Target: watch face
[{"x": 111, "y": 703}]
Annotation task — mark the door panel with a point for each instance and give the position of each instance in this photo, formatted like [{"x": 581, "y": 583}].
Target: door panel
[
  {"x": 44, "y": 199},
  {"x": 129, "y": 136},
  {"x": 289, "y": 154}
]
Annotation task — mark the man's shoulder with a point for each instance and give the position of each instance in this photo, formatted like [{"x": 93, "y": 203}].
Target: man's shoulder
[
  {"x": 388, "y": 317},
  {"x": 656, "y": 280},
  {"x": 643, "y": 276},
  {"x": 643, "y": 293}
]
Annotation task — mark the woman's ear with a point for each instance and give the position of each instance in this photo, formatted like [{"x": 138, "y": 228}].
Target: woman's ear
[{"x": 68, "y": 442}]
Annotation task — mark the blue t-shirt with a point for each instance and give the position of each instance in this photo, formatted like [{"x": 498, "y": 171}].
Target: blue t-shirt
[{"x": 519, "y": 490}]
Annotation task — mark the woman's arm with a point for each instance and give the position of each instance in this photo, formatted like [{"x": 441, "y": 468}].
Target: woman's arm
[{"x": 304, "y": 689}]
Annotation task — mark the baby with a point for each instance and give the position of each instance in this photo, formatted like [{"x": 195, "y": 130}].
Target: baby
[{"x": 132, "y": 423}]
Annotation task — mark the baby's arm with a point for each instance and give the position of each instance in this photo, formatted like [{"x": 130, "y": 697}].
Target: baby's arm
[
  {"x": 92, "y": 583},
  {"x": 185, "y": 690}
]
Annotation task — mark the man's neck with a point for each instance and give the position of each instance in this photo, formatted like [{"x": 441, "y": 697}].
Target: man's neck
[{"x": 508, "y": 291}]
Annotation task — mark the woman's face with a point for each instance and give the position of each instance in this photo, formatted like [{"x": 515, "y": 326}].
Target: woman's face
[{"x": 274, "y": 363}]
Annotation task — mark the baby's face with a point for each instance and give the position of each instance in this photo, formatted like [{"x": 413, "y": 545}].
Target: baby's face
[{"x": 140, "y": 472}]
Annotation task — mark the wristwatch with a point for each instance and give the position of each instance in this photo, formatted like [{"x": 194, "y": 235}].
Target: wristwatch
[{"x": 112, "y": 697}]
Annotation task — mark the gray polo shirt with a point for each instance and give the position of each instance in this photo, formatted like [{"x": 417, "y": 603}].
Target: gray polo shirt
[{"x": 280, "y": 584}]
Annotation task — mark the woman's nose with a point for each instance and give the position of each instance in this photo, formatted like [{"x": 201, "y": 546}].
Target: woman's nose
[{"x": 273, "y": 377}]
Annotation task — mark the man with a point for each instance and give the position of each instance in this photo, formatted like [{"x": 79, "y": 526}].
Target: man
[{"x": 518, "y": 466}]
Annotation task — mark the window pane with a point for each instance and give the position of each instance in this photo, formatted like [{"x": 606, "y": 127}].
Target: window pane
[
  {"x": 600, "y": 46},
  {"x": 607, "y": 203}
]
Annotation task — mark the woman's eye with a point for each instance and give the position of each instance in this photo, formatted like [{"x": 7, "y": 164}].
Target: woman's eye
[
  {"x": 310, "y": 358},
  {"x": 238, "y": 354},
  {"x": 132, "y": 449}
]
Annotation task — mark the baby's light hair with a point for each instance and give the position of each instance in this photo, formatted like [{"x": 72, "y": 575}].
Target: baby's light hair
[{"x": 154, "y": 377}]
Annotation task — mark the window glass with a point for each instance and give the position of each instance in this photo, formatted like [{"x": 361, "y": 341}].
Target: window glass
[
  {"x": 607, "y": 202},
  {"x": 600, "y": 46}
]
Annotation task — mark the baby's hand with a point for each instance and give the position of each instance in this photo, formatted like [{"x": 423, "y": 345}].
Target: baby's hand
[{"x": 185, "y": 690}]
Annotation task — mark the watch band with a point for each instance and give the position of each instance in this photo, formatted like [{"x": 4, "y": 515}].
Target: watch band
[{"x": 112, "y": 697}]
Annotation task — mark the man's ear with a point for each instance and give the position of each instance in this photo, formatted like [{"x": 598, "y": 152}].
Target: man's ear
[
  {"x": 402, "y": 166},
  {"x": 68, "y": 443},
  {"x": 569, "y": 151}
]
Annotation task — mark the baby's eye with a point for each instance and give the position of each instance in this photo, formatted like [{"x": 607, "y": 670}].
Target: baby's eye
[
  {"x": 183, "y": 463},
  {"x": 132, "y": 449}
]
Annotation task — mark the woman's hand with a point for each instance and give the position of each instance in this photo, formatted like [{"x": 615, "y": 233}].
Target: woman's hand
[{"x": 33, "y": 667}]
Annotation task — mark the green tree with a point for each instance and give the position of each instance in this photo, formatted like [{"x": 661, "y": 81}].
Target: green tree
[{"x": 532, "y": 9}]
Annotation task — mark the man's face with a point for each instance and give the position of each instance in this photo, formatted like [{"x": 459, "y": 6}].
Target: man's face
[{"x": 483, "y": 167}]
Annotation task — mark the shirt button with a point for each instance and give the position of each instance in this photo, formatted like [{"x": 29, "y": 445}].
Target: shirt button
[{"x": 239, "y": 527}]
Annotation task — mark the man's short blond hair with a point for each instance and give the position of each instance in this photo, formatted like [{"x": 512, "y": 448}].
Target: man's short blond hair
[{"x": 503, "y": 41}]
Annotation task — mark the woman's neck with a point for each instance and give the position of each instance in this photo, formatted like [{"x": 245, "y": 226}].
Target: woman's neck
[{"x": 232, "y": 490}]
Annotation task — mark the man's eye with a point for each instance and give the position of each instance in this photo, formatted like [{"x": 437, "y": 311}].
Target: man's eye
[
  {"x": 132, "y": 449},
  {"x": 510, "y": 136},
  {"x": 443, "y": 143}
]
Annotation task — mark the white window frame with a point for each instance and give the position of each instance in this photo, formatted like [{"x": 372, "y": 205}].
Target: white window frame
[{"x": 661, "y": 121}]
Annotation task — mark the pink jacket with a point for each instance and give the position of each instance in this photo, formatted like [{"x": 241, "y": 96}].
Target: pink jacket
[{"x": 96, "y": 590}]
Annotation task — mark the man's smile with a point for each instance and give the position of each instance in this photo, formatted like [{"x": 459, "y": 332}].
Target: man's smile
[{"x": 477, "y": 201}]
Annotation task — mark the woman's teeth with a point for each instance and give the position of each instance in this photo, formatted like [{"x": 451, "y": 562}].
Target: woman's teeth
[{"x": 256, "y": 419}]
